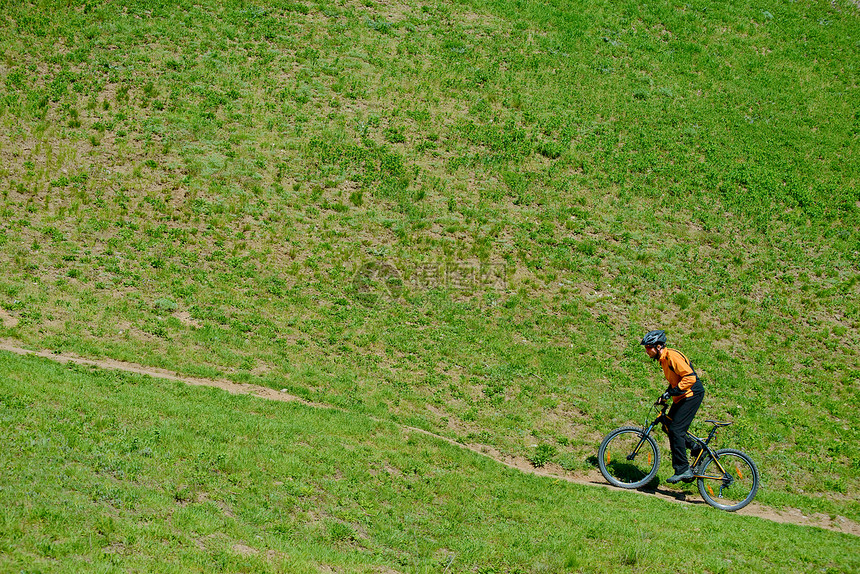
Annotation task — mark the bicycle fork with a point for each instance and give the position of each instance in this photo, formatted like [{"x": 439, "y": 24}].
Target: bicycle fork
[{"x": 636, "y": 450}]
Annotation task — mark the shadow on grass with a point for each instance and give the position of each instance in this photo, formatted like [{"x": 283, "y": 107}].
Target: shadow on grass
[{"x": 654, "y": 487}]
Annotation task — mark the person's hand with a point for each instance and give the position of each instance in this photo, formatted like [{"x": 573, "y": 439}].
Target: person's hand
[{"x": 664, "y": 398}]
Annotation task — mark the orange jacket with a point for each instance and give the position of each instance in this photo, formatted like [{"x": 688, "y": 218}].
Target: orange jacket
[{"x": 678, "y": 372}]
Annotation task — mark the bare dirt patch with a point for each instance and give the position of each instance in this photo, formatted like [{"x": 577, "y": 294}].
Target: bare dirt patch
[
  {"x": 186, "y": 319},
  {"x": 593, "y": 477},
  {"x": 244, "y": 550},
  {"x": 7, "y": 320}
]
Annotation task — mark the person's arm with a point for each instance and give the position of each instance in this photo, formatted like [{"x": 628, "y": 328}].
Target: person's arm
[
  {"x": 686, "y": 383},
  {"x": 683, "y": 369}
]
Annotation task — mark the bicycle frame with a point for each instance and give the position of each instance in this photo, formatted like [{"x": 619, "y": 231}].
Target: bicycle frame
[
  {"x": 704, "y": 443},
  {"x": 710, "y": 452}
]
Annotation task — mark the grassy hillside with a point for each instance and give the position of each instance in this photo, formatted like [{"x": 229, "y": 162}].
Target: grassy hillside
[
  {"x": 460, "y": 216},
  {"x": 105, "y": 472}
]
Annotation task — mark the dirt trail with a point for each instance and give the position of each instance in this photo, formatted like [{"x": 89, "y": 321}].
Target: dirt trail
[{"x": 593, "y": 478}]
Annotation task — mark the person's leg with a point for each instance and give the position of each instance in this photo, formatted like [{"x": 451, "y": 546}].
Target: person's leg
[
  {"x": 699, "y": 395},
  {"x": 682, "y": 414},
  {"x": 693, "y": 447}
]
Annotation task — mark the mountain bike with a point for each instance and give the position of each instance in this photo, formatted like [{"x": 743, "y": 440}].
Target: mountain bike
[{"x": 726, "y": 478}]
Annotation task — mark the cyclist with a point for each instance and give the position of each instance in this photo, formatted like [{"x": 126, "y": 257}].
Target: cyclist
[{"x": 687, "y": 392}]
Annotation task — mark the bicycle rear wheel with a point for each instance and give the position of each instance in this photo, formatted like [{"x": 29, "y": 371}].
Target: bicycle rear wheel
[
  {"x": 626, "y": 460},
  {"x": 734, "y": 489}
]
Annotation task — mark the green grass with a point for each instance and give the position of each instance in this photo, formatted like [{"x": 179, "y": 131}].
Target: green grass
[
  {"x": 461, "y": 217},
  {"x": 104, "y": 471}
]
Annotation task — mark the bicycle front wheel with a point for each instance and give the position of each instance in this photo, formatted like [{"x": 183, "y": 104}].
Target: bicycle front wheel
[
  {"x": 729, "y": 484},
  {"x": 628, "y": 458}
]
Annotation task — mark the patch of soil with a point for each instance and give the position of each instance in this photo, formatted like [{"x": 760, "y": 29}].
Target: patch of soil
[
  {"x": 7, "y": 320},
  {"x": 244, "y": 550},
  {"x": 186, "y": 319},
  {"x": 592, "y": 477}
]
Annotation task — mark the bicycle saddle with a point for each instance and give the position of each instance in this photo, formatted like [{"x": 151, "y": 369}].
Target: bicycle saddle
[{"x": 720, "y": 424}]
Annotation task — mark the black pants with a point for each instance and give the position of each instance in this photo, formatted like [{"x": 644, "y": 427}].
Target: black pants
[{"x": 681, "y": 415}]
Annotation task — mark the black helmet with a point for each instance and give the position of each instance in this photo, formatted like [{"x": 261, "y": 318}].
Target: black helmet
[{"x": 653, "y": 338}]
